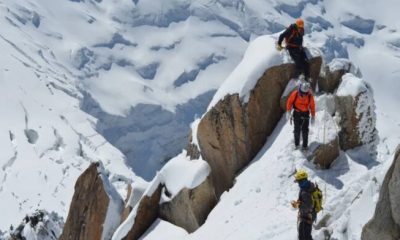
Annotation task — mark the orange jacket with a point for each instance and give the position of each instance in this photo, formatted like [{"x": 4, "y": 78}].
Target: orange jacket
[{"x": 301, "y": 103}]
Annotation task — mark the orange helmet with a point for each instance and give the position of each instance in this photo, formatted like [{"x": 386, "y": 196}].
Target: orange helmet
[{"x": 300, "y": 23}]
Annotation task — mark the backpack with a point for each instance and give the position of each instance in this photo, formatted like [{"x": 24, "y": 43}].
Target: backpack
[
  {"x": 295, "y": 32},
  {"x": 295, "y": 98},
  {"x": 316, "y": 197}
]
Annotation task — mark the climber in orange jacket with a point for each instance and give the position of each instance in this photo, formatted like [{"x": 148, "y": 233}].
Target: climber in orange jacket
[{"x": 302, "y": 102}]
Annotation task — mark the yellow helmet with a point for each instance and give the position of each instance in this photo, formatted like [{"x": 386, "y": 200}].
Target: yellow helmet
[{"x": 300, "y": 175}]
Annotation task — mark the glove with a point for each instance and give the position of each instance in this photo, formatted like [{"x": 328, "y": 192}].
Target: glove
[
  {"x": 278, "y": 47},
  {"x": 288, "y": 116},
  {"x": 312, "y": 121},
  {"x": 295, "y": 204},
  {"x": 308, "y": 218}
]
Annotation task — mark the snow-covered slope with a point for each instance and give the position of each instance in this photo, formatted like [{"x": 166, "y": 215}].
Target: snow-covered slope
[
  {"x": 46, "y": 140},
  {"x": 77, "y": 75},
  {"x": 258, "y": 206}
]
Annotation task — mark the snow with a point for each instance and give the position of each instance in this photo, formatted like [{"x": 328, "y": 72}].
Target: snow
[
  {"x": 115, "y": 206},
  {"x": 130, "y": 54},
  {"x": 179, "y": 173},
  {"x": 164, "y": 230},
  {"x": 29, "y": 233},
  {"x": 264, "y": 191},
  {"x": 138, "y": 189},
  {"x": 260, "y": 55},
  {"x": 351, "y": 86},
  {"x": 367, "y": 120}
]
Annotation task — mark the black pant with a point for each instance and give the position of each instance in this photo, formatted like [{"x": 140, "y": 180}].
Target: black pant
[
  {"x": 305, "y": 230},
  {"x": 301, "y": 121},
  {"x": 300, "y": 59}
]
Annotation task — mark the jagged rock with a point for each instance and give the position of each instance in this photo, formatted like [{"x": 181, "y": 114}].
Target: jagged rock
[
  {"x": 231, "y": 134},
  {"x": 128, "y": 208},
  {"x": 333, "y": 74},
  {"x": 385, "y": 224},
  {"x": 290, "y": 87},
  {"x": 356, "y": 109},
  {"x": 192, "y": 150},
  {"x": 146, "y": 214},
  {"x": 331, "y": 81},
  {"x": 348, "y": 135},
  {"x": 324, "y": 154},
  {"x": 39, "y": 225},
  {"x": 93, "y": 203},
  {"x": 221, "y": 138},
  {"x": 315, "y": 66},
  {"x": 190, "y": 208}
]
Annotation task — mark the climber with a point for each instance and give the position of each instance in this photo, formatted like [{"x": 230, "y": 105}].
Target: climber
[
  {"x": 293, "y": 36},
  {"x": 302, "y": 102},
  {"x": 304, "y": 203}
]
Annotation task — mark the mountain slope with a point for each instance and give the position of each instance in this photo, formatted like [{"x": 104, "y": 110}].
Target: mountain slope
[{"x": 78, "y": 75}]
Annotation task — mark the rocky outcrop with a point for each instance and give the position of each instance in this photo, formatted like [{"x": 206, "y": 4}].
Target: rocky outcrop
[
  {"x": 221, "y": 135},
  {"x": 190, "y": 208},
  {"x": 324, "y": 154},
  {"x": 356, "y": 109},
  {"x": 331, "y": 81},
  {"x": 333, "y": 73},
  {"x": 89, "y": 208},
  {"x": 232, "y": 133},
  {"x": 39, "y": 225},
  {"x": 192, "y": 150},
  {"x": 385, "y": 224},
  {"x": 128, "y": 208},
  {"x": 146, "y": 214}
]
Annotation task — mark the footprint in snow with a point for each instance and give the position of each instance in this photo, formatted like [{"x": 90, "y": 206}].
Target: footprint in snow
[{"x": 237, "y": 202}]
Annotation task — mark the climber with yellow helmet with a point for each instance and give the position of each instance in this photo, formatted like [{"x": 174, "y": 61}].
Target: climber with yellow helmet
[
  {"x": 293, "y": 37},
  {"x": 308, "y": 203}
]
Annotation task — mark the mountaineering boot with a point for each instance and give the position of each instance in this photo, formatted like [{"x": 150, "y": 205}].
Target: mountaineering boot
[
  {"x": 304, "y": 148},
  {"x": 296, "y": 147}
]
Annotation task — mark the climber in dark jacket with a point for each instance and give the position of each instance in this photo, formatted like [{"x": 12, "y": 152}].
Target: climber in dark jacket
[
  {"x": 293, "y": 37},
  {"x": 304, "y": 203}
]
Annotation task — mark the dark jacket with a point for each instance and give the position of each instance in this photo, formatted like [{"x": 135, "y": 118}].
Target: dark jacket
[
  {"x": 293, "y": 37},
  {"x": 306, "y": 207}
]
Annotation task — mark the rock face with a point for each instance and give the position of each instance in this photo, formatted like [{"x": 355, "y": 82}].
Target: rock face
[
  {"x": 385, "y": 224},
  {"x": 192, "y": 150},
  {"x": 324, "y": 154},
  {"x": 331, "y": 81},
  {"x": 357, "y": 114},
  {"x": 39, "y": 225},
  {"x": 222, "y": 141},
  {"x": 190, "y": 208},
  {"x": 333, "y": 74},
  {"x": 128, "y": 208},
  {"x": 232, "y": 133},
  {"x": 146, "y": 214},
  {"x": 89, "y": 207},
  {"x": 348, "y": 135}
]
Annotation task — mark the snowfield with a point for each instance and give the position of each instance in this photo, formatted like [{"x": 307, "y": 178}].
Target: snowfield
[{"x": 122, "y": 82}]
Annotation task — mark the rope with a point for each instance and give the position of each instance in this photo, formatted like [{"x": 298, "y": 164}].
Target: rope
[{"x": 325, "y": 189}]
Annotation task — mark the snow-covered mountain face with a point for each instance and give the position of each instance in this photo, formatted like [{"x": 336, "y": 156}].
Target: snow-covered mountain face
[{"x": 79, "y": 75}]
